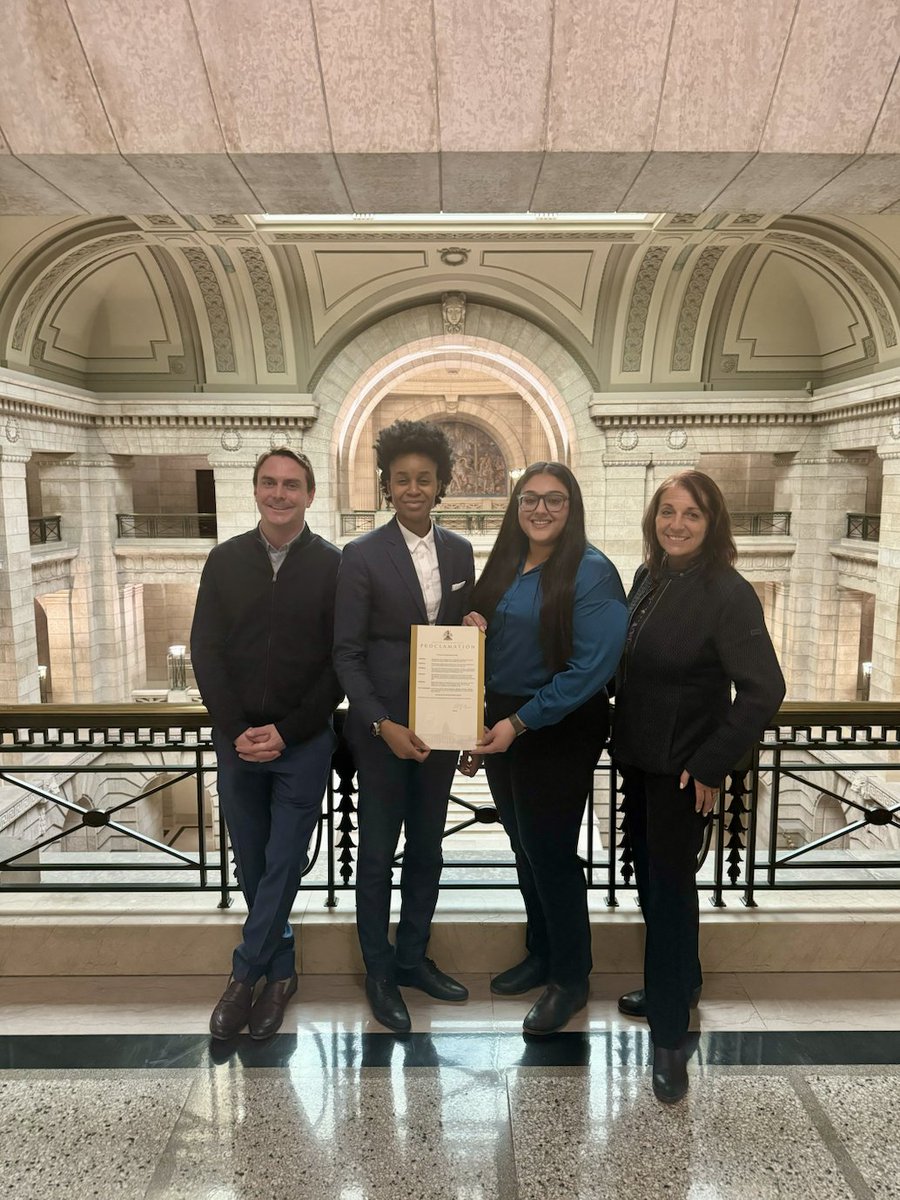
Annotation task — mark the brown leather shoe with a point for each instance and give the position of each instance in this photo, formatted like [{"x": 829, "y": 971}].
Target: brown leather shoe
[
  {"x": 233, "y": 1010},
  {"x": 268, "y": 1011}
]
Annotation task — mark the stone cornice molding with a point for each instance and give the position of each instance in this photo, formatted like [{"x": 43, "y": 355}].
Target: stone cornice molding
[
  {"x": 13, "y": 456},
  {"x": 667, "y": 417}
]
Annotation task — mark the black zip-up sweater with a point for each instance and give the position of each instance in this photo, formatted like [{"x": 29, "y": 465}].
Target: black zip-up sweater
[
  {"x": 261, "y": 646},
  {"x": 702, "y": 631}
]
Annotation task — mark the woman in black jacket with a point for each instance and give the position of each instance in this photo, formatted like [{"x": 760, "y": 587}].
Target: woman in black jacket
[{"x": 695, "y": 628}]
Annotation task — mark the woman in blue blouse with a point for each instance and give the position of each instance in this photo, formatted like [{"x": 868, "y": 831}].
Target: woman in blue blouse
[{"x": 554, "y": 611}]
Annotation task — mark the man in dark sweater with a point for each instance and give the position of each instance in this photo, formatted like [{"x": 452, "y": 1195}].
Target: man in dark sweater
[{"x": 261, "y": 651}]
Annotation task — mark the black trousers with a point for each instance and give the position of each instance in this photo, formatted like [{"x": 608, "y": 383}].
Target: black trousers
[
  {"x": 666, "y": 834},
  {"x": 540, "y": 787},
  {"x": 397, "y": 794}
]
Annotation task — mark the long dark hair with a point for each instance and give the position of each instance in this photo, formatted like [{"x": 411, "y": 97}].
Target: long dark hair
[
  {"x": 557, "y": 575},
  {"x": 718, "y": 548}
]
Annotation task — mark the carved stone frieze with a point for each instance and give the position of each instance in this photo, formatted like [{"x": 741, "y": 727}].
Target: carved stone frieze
[
  {"x": 268, "y": 308},
  {"x": 639, "y": 307},
  {"x": 214, "y": 302},
  {"x": 688, "y": 318}
]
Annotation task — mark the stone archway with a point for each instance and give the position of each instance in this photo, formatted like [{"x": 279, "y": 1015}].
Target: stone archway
[{"x": 494, "y": 342}]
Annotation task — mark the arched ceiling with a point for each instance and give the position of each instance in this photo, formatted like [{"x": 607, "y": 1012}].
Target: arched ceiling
[
  {"x": 336, "y": 106},
  {"x": 227, "y": 304}
]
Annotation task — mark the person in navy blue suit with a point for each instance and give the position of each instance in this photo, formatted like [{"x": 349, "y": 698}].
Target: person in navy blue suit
[{"x": 409, "y": 572}]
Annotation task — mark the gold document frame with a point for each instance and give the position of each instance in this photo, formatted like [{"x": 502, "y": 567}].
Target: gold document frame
[{"x": 446, "y": 685}]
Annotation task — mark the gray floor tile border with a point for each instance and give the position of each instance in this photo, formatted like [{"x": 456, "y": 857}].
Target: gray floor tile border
[
  {"x": 509, "y": 1174},
  {"x": 831, "y": 1138}
]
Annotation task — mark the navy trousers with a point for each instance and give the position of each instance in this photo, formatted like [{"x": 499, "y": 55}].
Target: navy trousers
[
  {"x": 271, "y": 810},
  {"x": 397, "y": 794}
]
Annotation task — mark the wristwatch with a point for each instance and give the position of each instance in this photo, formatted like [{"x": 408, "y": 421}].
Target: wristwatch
[
  {"x": 518, "y": 724},
  {"x": 375, "y": 727}
]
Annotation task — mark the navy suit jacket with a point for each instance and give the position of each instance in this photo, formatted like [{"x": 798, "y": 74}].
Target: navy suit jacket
[{"x": 378, "y": 599}]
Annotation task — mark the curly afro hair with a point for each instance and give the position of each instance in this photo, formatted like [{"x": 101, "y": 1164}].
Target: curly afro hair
[{"x": 414, "y": 437}]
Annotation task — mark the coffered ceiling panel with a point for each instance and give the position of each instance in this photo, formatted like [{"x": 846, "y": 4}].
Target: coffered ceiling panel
[
  {"x": 493, "y": 60},
  {"x": 600, "y": 51},
  {"x": 722, "y": 66},
  {"x": 264, "y": 72},
  {"x": 377, "y": 62},
  {"x": 838, "y": 66},
  {"x": 151, "y": 75},
  {"x": 49, "y": 102}
]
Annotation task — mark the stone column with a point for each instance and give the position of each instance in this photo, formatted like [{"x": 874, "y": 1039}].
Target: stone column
[
  {"x": 885, "y": 683},
  {"x": 89, "y": 492},
  {"x": 235, "y": 506},
  {"x": 18, "y": 645},
  {"x": 819, "y": 491},
  {"x": 626, "y": 487}
]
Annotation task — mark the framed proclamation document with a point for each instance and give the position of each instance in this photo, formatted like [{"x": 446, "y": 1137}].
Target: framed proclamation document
[{"x": 446, "y": 685}]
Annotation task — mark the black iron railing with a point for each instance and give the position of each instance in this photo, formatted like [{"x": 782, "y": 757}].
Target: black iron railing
[
  {"x": 149, "y": 747},
  {"x": 166, "y": 525},
  {"x": 866, "y": 526},
  {"x": 44, "y": 529},
  {"x": 761, "y": 524},
  {"x": 474, "y": 521},
  {"x": 357, "y": 522}
]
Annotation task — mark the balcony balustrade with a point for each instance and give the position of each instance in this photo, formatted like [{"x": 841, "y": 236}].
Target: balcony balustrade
[
  {"x": 154, "y": 746},
  {"x": 166, "y": 525},
  {"x": 473, "y": 521},
  {"x": 865, "y": 526},
  {"x": 42, "y": 530},
  {"x": 761, "y": 524}
]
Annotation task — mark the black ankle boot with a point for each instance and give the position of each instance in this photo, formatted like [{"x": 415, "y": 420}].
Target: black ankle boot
[{"x": 670, "y": 1077}]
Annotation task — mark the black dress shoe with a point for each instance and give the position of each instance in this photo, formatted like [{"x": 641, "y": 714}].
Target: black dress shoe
[
  {"x": 670, "y": 1077},
  {"x": 387, "y": 1004},
  {"x": 233, "y": 1010},
  {"x": 555, "y": 1006},
  {"x": 634, "y": 1004},
  {"x": 267, "y": 1013},
  {"x": 431, "y": 979},
  {"x": 530, "y": 973}
]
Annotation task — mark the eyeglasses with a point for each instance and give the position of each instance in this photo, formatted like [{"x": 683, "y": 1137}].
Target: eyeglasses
[{"x": 553, "y": 501}]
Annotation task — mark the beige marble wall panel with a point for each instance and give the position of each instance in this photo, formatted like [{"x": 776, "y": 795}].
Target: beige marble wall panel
[
  {"x": 576, "y": 182},
  {"x": 488, "y": 182},
  {"x": 22, "y": 191},
  {"x": 150, "y": 72},
  {"x": 295, "y": 183},
  {"x": 780, "y": 182},
  {"x": 836, "y": 71},
  {"x": 671, "y": 182},
  {"x": 101, "y": 183},
  {"x": 383, "y": 183},
  {"x": 870, "y": 184},
  {"x": 886, "y": 134},
  {"x": 599, "y": 50},
  {"x": 377, "y": 62},
  {"x": 721, "y": 73},
  {"x": 493, "y": 63},
  {"x": 48, "y": 100},
  {"x": 264, "y": 72},
  {"x": 197, "y": 183}
]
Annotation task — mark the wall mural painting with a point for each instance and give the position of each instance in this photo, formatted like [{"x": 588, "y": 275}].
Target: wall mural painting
[{"x": 480, "y": 468}]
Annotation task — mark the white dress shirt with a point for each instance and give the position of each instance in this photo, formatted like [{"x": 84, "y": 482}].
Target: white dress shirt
[{"x": 425, "y": 560}]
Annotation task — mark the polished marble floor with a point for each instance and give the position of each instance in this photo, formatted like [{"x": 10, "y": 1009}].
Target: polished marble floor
[{"x": 111, "y": 1088}]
